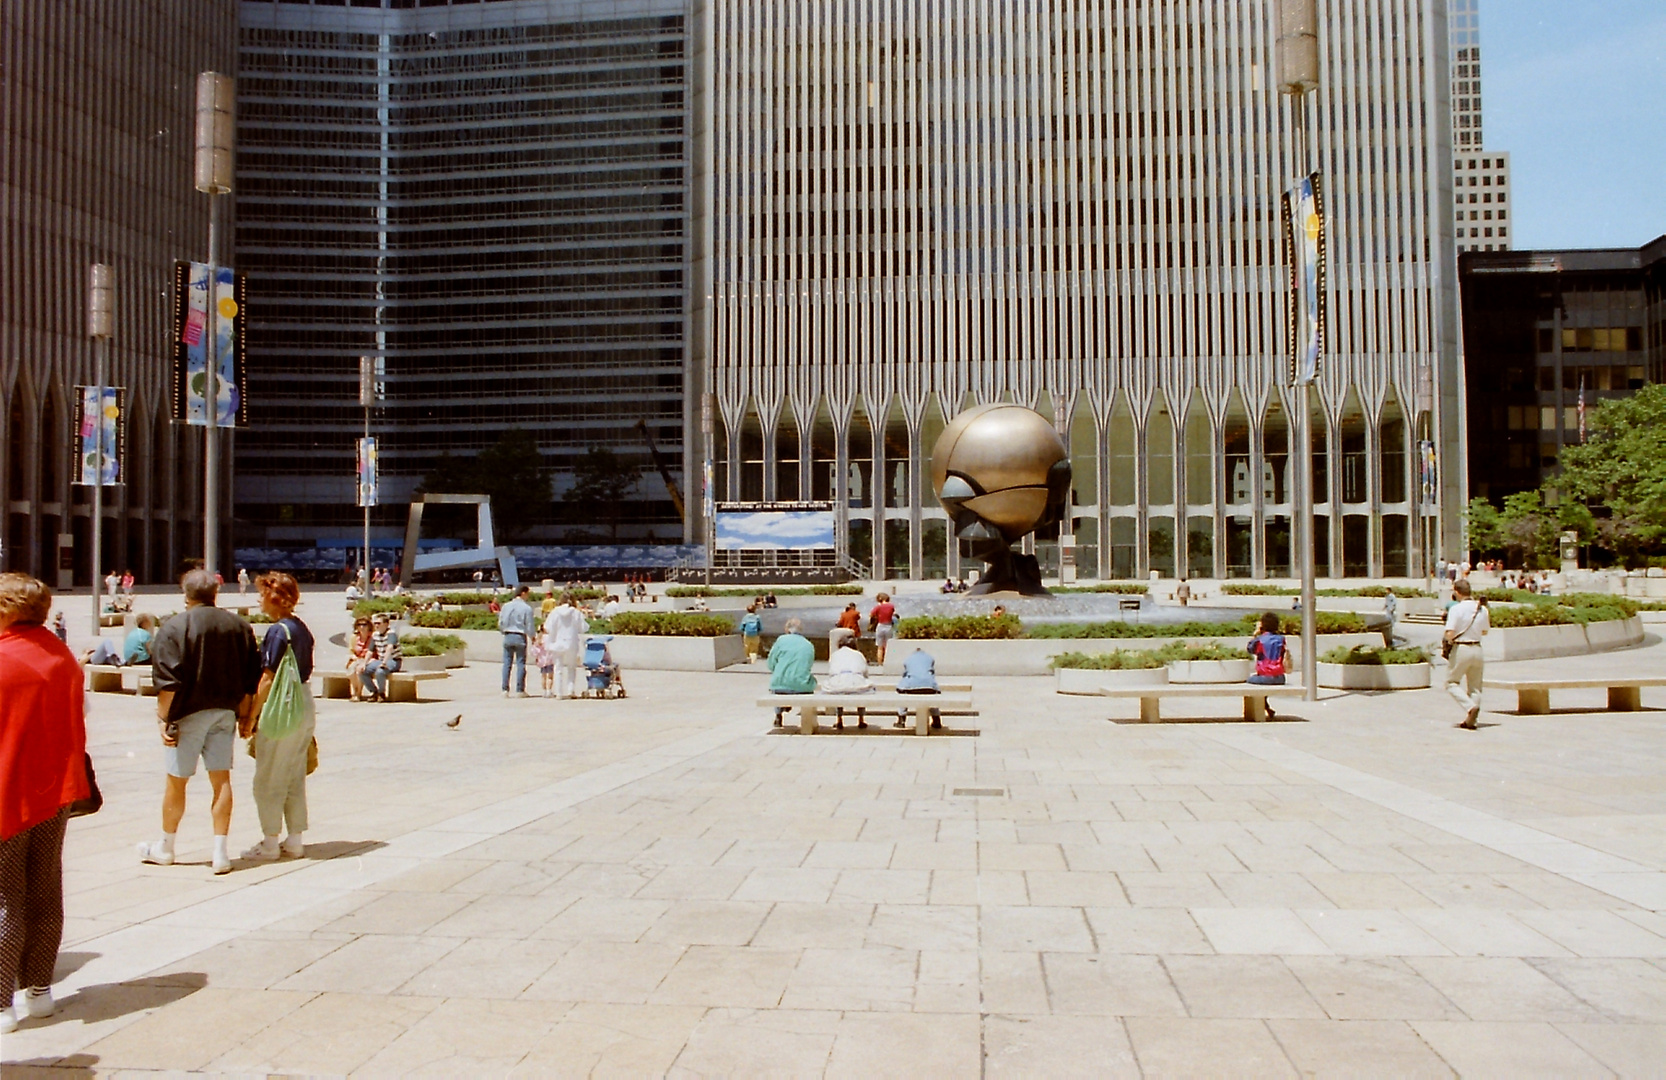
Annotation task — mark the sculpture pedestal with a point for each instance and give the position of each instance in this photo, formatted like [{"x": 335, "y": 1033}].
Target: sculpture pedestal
[{"x": 1006, "y": 571}]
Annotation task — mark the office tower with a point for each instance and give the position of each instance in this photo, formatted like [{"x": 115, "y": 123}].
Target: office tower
[
  {"x": 96, "y": 147},
  {"x": 488, "y": 198},
  {"x": 1546, "y": 335},
  {"x": 1076, "y": 206},
  {"x": 1481, "y": 177}
]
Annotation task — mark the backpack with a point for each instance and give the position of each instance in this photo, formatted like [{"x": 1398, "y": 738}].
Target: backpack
[{"x": 289, "y": 706}]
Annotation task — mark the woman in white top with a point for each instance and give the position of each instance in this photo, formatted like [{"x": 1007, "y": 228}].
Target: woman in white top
[
  {"x": 847, "y": 673},
  {"x": 563, "y": 638},
  {"x": 1467, "y": 620}
]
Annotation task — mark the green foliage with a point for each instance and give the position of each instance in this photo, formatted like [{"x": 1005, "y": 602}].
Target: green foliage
[
  {"x": 393, "y": 605},
  {"x": 1125, "y": 588},
  {"x": 1486, "y": 536},
  {"x": 601, "y": 482},
  {"x": 1505, "y": 618},
  {"x": 960, "y": 627},
  {"x": 1330, "y": 622},
  {"x": 430, "y": 644},
  {"x": 1242, "y": 588},
  {"x": 512, "y": 472},
  {"x": 1622, "y": 466},
  {"x": 1379, "y": 591},
  {"x": 1367, "y": 656},
  {"x": 683, "y": 592},
  {"x": 1145, "y": 659},
  {"x": 258, "y": 618},
  {"x": 455, "y": 620},
  {"x": 670, "y": 624}
]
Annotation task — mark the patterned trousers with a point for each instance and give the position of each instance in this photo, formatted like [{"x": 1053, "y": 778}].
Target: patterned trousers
[{"x": 31, "y": 904}]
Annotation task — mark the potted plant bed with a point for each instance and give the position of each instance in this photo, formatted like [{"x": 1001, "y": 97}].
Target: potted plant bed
[
  {"x": 1208, "y": 664},
  {"x": 1363, "y": 668},
  {"x": 1086, "y": 673}
]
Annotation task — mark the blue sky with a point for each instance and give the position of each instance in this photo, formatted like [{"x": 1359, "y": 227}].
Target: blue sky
[{"x": 1575, "y": 90}]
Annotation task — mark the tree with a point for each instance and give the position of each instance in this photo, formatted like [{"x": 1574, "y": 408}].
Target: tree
[
  {"x": 1622, "y": 467},
  {"x": 1485, "y": 538},
  {"x": 601, "y": 481},
  {"x": 1529, "y": 533},
  {"x": 512, "y": 472}
]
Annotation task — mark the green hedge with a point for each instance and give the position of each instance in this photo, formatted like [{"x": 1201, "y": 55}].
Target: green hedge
[
  {"x": 683, "y": 592},
  {"x": 960, "y": 627},
  {"x": 536, "y": 596},
  {"x": 393, "y": 605},
  {"x": 666, "y": 624},
  {"x": 1126, "y": 588},
  {"x": 455, "y": 620},
  {"x": 1330, "y": 622},
  {"x": 1364, "y": 655},
  {"x": 1366, "y": 591},
  {"x": 429, "y": 644},
  {"x": 1145, "y": 659}
]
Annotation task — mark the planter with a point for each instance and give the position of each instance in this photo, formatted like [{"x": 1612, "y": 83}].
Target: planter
[
  {"x": 1374, "y": 676},
  {"x": 1210, "y": 671},
  {"x": 455, "y": 658},
  {"x": 1032, "y": 656},
  {"x": 1089, "y": 680},
  {"x": 633, "y": 651},
  {"x": 1543, "y": 642},
  {"x": 423, "y": 663}
]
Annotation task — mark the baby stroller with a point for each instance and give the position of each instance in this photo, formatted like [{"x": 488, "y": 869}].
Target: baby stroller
[{"x": 602, "y": 678}]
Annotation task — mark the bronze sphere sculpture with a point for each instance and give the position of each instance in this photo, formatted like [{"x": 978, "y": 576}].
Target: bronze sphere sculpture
[{"x": 1001, "y": 472}]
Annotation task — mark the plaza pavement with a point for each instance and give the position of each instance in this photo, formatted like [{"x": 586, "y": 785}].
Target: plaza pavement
[{"x": 660, "y": 885}]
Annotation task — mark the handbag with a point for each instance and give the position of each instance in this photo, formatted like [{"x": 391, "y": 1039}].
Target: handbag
[
  {"x": 288, "y": 707},
  {"x": 1447, "y": 644},
  {"x": 93, "y": 801}
]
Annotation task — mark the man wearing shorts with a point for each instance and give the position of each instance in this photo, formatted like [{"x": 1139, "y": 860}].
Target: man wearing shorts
[{"x": 206, "y": 667}]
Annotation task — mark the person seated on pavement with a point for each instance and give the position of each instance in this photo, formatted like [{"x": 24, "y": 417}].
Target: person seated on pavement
[
  {"x": 790, "y": 660},
  {"x": 135, "y": 647}
]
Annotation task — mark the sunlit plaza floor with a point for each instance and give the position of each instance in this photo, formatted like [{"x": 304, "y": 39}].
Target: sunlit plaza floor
[{"x": 663, "y": 885}]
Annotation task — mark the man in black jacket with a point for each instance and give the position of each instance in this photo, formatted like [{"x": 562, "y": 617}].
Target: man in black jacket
[{"x": 206, "y": 666}]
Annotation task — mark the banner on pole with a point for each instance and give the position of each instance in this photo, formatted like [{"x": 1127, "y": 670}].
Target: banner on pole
[
  {"x": 367, "y": 472},
  {"x": 100, "y": 430},
  {"x": 192, "y": 326},
  {"x": 1305, "y": 306},
  {"x": 1427, "y": 469}
]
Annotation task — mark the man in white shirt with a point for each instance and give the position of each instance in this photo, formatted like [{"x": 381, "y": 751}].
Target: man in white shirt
[
  {"x": 564, "y": 632},
  {"x": 1467, "y": 621}
]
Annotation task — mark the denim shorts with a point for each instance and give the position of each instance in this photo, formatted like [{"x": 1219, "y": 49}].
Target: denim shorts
[{"x": 207, "y": 734}]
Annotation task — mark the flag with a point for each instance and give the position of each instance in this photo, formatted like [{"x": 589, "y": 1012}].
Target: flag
[
  {"x": 1582, "y": 409},
  {"x": 367, "y": 468},
  {"x": 193, "y": 323},
  {"x": 98, "y": 435},
  {"x": 1304, "y": 309}
]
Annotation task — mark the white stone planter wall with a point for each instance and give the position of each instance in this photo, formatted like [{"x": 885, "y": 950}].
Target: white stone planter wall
[
  {"x": 1210, "y": 671},
  {"x": 423, "y": 663},
  {"x": 1088, "y": 680},
  {"x": 633, "y": 651},
  {"x": 1033, "y": 656},
  {"x": 1374, "y": 677},
  {"x": 1543, "y": 642}
]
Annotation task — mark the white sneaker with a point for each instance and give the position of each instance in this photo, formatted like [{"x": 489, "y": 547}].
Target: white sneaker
[
  {"x": 221, "y": 866},
  {"x": 262, "y": 853},
  {"x": 292, "y": 851},
  {"x": 8, "y": 1021},
  {"x": 38, "y": 1003},
  {"x": 150, "y": 851}
]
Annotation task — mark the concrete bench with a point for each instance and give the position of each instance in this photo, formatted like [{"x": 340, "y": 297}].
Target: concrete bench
[
  {"x": 402, "y": 685},
  {"x": 1533, "y": 695},
  {"x": 810, "y": 706},
  {"x": 111, "y": 679},
  {"x": 1255, "y": 697}
]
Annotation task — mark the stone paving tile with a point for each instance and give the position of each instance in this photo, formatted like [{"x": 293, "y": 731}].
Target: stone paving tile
[
  {"x": 1388, "y": 1049},
  {"x": 1507, "y": 1050},
  {"x": 1191, "y": 1047},
  {"x": 1056, "y": 1046},
  {"x": 1378, "y": 988},
  {"x": 1255, "y": 987},
  {"x": 1630, "y": 1050}
]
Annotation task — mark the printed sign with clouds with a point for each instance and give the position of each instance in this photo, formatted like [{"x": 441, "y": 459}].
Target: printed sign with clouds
[{"x": 783, "y": 529}]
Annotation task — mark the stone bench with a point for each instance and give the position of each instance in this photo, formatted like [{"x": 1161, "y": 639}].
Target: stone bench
[
  {"x": 111, "y": 679},
  {"x": 1533, "y": 695},
  {"x": 810, "y": 706},
  {"x": 1255, "y": 697},
  {"x": 402, "y": 685}
]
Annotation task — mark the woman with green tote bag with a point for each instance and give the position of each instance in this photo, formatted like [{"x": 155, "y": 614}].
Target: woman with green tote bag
[{"x": 282, "y": 738}]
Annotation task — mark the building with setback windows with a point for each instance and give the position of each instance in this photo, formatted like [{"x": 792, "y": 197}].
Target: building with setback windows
[
  {"x": 490, "y": 199},
  {"x": 1075, "y": 205},
  {"x": 96, "y": 147},
  {"x": 1481, "y": 177}
]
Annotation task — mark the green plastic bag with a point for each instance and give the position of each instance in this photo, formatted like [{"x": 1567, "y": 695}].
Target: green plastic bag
[{"x": 288, "y": 707}]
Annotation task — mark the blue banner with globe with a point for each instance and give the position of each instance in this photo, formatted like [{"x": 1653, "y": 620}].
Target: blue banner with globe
[
  {"x": 98, "y": 435},
  {"x": 191, "y": 333}
]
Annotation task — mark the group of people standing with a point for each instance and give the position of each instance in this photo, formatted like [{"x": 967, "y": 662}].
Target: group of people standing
[{"x": 552, "y": 638}]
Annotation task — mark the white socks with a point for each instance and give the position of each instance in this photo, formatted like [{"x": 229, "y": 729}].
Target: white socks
[
  {"x": 294, "y": 844},
  {"x": 167, "y": 845}
]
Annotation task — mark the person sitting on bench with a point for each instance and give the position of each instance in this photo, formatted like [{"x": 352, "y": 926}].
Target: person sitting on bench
[
  {"x": 135, "y": 647},
  {"x": 790, "y": 660},
  {"x": 919, "y": 676},
  {"x": 847, "y": 673}
]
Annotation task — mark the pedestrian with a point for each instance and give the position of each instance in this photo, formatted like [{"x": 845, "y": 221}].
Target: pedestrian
[
  {"x": 385, "y": 657},
  {"x": 43, "y": 740},
  {"x": 60, "y": 628},
  {"x": 851, "y": 619},
  {"x": 517, "y": 625},
  {"x": 752, "y": 633},
  {"x": 127, "y": 584},
  {"x": 1183, "y": 592},
  {"x": 206, "y": 667},
  {"x": 112, "y": 581},
  {"x": 282, "y": 738},
  {"x": 551, "y": 599},
  {"x": 358, "y": 655},
  {"x": 564, "y": 637},
  {"x": 882, "y": 621},
  {"x": 1467, "y": 621},
  {"x": 539, "y": 656},
  {"x": 242, "y": 581},
  {"x": 790, "y": 660},
  {"x": 135, "y": 647},
  {"x": 1391, "y": 608}
]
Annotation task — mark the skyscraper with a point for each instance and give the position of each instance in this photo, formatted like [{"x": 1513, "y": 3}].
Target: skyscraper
[
  {"x": 917, "y": 207},
  {"x": 488, "y": 198},
  {"x": 95, "y": 158},
  {"x": 1480, "y": 177}
]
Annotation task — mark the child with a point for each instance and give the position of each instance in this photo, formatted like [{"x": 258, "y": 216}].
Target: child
[
  {"x": 544, "y": 659},
  {"x": 752, "y": 630}
]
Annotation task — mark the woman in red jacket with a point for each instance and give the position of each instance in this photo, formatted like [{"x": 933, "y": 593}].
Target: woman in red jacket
[{"x": 43, "y": 740}]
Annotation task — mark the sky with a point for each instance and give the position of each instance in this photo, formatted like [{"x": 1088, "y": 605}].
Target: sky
[{"x": 1575, "y": 91}]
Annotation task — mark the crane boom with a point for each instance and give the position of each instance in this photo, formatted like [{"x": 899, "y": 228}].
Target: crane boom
[{"x": 665, "y": 473}]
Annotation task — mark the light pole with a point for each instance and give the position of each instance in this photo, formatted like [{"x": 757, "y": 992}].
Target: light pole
[
  {"x": 1298, "y": 73},
  {"x": 100, "y": 325},
  {"x": 216, "y": 126},
  {"x": 708, "y": 501},
  {"x": 367, "y": 495}
]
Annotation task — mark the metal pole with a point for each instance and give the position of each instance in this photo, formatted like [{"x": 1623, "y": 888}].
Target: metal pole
[
  {"x": 708, "y": 430},
  {"x": 211, "y": 401},
  {"x": 100, "y": 322},
  {"x": 369, "y": 578}
]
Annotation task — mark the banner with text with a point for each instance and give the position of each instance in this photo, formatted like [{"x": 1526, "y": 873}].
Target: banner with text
[
  {"x": 191, "y": 330},
  {"x": 99, "y": 435}
]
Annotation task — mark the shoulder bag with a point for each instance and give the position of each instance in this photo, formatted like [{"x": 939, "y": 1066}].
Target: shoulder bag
[{"x": 1449, "y": 640}]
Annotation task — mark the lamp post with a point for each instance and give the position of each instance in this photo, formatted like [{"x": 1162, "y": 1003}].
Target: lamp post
[
  {"x": 367, "y": 398},
  {"x": 100, "y": 326},
  {"x": 708, "y": 433},
  {"x": 1298, "y": 73},
  {"x": 216, "y": 134}
]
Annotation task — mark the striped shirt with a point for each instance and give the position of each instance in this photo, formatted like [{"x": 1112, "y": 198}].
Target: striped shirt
[{"x": 384, "y": 645}]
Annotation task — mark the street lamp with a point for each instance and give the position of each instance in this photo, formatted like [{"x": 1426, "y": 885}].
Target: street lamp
[
  {"x": 100, "y": 326},
  {"x": 1298, "y": 73},
  {"x": 216, "y": 136}
]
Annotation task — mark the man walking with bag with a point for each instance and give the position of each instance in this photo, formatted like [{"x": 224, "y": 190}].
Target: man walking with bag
[
  {"x": 517, "y": 624},
  {"x": 1467, "y": 621},
  {"x": 206, "y": 667}
]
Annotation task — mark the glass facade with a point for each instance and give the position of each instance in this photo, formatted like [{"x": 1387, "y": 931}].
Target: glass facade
[{"x": 491, "y": 199}]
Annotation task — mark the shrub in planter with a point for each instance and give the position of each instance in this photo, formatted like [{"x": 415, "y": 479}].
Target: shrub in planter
[
  {"x": 1125, "y": 588},
  {"x": 440, "y": 620},
  {"x": 960, "y": 627},
  {"x": 1505, "y": 618},
  {"x": 1244, "y": 626},
  {"x": 430, "y": 644},
  {"x": 1118, "y": 660},
  {"x": 683, "y": 592},
  {"x": 670, "y": 624},
  {"x": 1364, "y": 655},
  {"x": 394, "y": 605},
  {"x": 1239, "y": 588},
  {"x": 1183, "y": 653}
]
